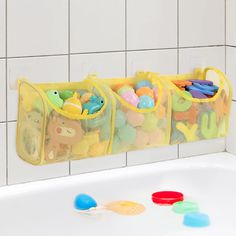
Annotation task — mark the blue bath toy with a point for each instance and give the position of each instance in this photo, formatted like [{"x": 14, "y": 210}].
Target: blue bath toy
[
  {"x": 84, "y": 202},
  {"x": 212, "y": 88},
  {"x": 143, "y": 83},
  {"x": 196, "y": 220},
  {"x": 204, "y": 91},
  {"x": 146, "y": 102},
  {"x": 94, "y": 105}
]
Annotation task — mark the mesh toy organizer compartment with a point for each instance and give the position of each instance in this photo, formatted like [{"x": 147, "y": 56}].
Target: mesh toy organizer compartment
[
  {"x": 136, "y": 128},
  {"x": 48, "y": 134},
  {"x": 194, "y": 119}
]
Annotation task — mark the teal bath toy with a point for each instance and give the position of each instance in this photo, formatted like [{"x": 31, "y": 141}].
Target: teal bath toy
[
  {"x": 143, "y": 83},
  {"x": 185, "y": 207},
  {"x": 145, "y": 102},
  {"x": 84, "y": 202},
  {"x": 95, "y": 123},
  {"x": 196, "y": 220},
  {"x": 54, "y": 97},
  {"x": 120, "y": 119},
  {"x": 127, "y": 134},
  {"x": 94, "y": 105}
]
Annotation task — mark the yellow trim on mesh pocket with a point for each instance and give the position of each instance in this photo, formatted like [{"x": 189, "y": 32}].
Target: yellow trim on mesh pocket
[
  {"x": 201, "y": 75},
  {"x": 152, "y": 77},
  {"x": 41, "y": 88}
]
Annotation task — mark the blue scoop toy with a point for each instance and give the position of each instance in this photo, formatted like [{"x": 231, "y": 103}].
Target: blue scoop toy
[
  {"x": 94, "y": 105},
  {"x": 84, "y": 202}
]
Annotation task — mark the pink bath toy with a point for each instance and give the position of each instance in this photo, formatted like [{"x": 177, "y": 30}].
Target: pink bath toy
[
  {"x": 124, "y": 89},
  {"x": 155, "y": 92},
  {"x": 156, "y": 137},
  {"x": 134, "y": 118},
  {"x": 130, "y": 97},
  {"x": 142, "y": 138}
]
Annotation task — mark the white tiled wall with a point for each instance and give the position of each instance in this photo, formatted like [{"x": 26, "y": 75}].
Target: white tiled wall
[
  {"x": 64, "y": 40},
  {"x": 231, "y": 68}
]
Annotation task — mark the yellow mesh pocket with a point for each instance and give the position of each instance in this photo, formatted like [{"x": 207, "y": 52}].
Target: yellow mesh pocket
[
  {"x": 136, "y": 128},
  {"x": 194, "y": 119},
  {"x": 48, "y": 134}
]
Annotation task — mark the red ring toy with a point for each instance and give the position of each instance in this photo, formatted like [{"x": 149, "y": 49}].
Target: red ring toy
[{"x": 167, "y": 197}]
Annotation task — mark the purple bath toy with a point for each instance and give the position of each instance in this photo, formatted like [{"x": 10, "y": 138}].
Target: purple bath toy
[
  {"x": 205, "y": 82},
  {"x": 197, "y": 94}
]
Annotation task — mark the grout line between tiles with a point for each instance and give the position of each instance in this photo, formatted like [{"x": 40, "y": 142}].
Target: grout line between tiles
[
  {"x": 225, "y": 31},
  {"x": 225, "y": 23},
  {"x": 126, "y": 54},
  {"x": 68, "y": 66},
  {"x": 6, "y": 81},
  {"x": 178, "y": 51},
  {"x": 231, "y": 46},
  {"x": 114, "y": 51}
]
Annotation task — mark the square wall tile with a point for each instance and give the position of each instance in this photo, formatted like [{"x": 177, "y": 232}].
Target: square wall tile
[
  {"x": 230, "y": 140},
  {"x": 3, "y": 89},
  {"x": 151, "y": 24},
  {"x": 191, "y": 58},
  {"x": 3, "y": 154},
  {"x": 98, "y": 163},
  {"x": 37, "y": 27},
  {"x": 162, "y": 61},
  {"x": 231, "y": 68},
  {"x": 20, "y": 171},
  {"x": 202, "y": 147},
  {"x": 105, "y": 65},
  {"x": 201, "y": 22},
  {"x": 152, "y": 155},
  {"x": 97, "y": 25},
  {"x": 230, "y": 22},
  {"x": 2, "y": 28},
  {"x": 35, "y": 69}
]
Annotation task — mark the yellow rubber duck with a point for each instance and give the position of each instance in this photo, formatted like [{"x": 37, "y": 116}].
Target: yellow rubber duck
[{"x": 73, "y": 105}]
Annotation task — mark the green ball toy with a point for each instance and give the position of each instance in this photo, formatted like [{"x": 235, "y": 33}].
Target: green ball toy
[
  {"x": 127, "y": 134},
  {"x": 65, "y": 94},
  {"x": 120, "y": 119},
  {"x": 150, "y": 122},
  {"x": 54, "y": 97}
]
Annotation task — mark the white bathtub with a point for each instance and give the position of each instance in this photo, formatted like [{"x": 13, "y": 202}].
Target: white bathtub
[{"x": 45, "y": 208}]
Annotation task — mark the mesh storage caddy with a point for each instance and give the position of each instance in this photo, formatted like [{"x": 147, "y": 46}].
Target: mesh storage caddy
[{"x": 48, "y": 134}]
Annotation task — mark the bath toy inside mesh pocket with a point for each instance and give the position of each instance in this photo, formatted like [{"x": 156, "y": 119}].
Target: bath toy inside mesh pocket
[
  {"x": 197, "y": 113},
  {"x": 60, "y": 122},
  {"x": 141, "y": 113}
]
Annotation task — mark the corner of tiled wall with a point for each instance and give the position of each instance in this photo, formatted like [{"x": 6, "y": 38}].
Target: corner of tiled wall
[
  {"x": 64, "y": 40},
  {"x": 230, "y": 69}
]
